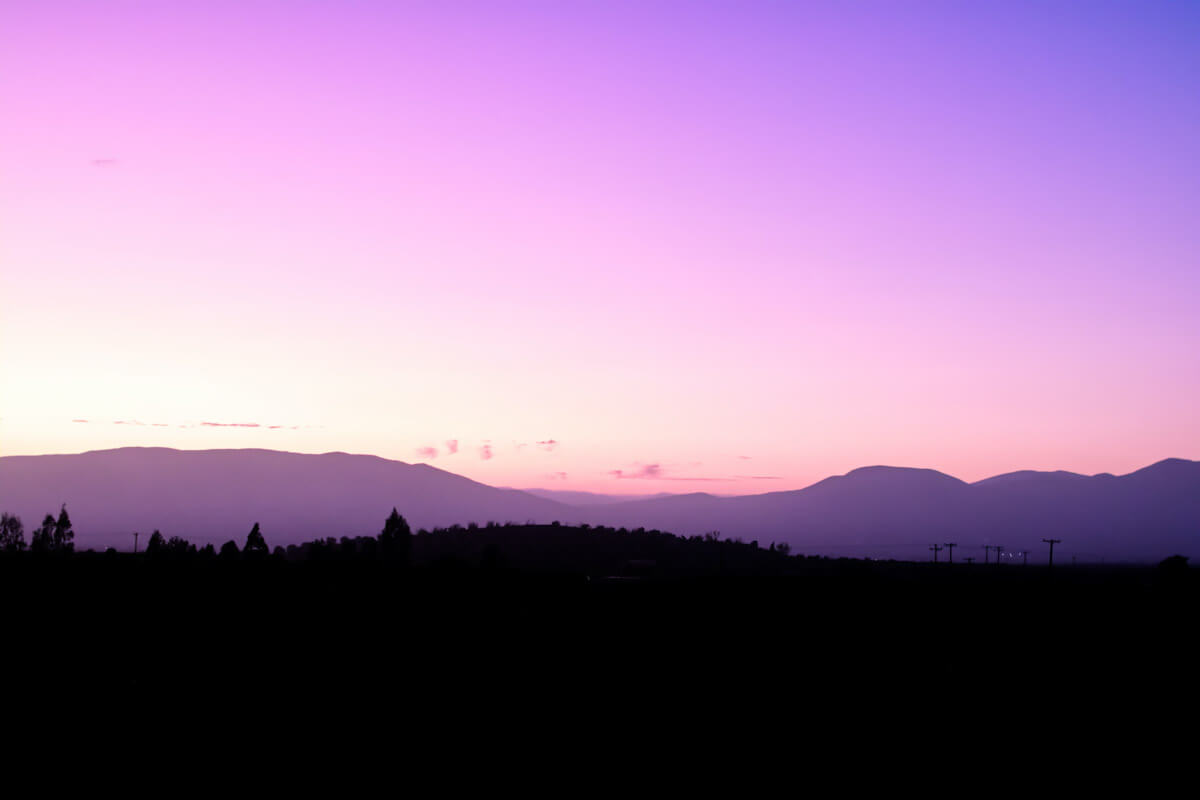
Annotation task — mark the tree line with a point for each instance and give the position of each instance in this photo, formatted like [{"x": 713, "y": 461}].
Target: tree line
[
  {"x": 55, "y": 535},
  {"x": 595, "y": 550}
]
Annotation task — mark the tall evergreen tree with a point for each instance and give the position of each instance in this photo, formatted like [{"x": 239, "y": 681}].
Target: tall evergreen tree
[
  {"x": 64, "y": 535},
  {"x": 156, "y": 545},
  {"x": 43, "y": 537},
  {"x": 395, "y": 540},
  {"x": 256, "y": 545}
]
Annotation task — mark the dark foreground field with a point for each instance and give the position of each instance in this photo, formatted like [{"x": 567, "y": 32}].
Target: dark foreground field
[{"x": 460, "y": 634}]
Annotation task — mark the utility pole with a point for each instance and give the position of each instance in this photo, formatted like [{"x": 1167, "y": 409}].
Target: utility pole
[
  {"x": 1052, "y": 542},
  {"x": 950, "y": 546},
  {"x": 970, "y": 559},
  {"x": 936, "y": 548},
  {"x": 999, "y": 548},
  {"x": 1024, "y": 558},
  {"x": 135, "y": 535},
  {"x": 987, "y": 548}
]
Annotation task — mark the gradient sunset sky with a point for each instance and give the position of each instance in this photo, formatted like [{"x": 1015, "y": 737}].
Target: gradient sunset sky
[{"x": 624, "y": 247}]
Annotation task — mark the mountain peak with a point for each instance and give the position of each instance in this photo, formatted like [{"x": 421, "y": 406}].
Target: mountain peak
[
  {"x": 1030, "y": 476},
  {"x": 1168, "y": 469},
  {"x": 905, "y": 475}
]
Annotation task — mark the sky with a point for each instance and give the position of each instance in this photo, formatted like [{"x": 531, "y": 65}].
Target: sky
[{"x": 621, "y": 247}]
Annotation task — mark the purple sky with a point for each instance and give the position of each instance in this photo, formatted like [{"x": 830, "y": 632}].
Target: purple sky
[{"x": 753, "y": 242}]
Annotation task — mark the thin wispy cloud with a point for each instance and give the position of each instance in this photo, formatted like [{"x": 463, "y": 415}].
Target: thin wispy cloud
[
  {"x": 485, "y": 452},
  {"x": 427, "y": 452},
  {"x": 643, "y": 472},
  {"x": 451, "y": 446},
  {"x": 548, "y": 445},
  {"x": 206, "y": 424},
  {"x": 248, "y": 425},
  {"x": 656, "y": 472}
]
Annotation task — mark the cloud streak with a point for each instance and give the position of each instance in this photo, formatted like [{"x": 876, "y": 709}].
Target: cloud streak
[
  {"x": 206, "y": 424},
  {"x": 655, "y": 472},
  {"x": 643, "y": 472}
]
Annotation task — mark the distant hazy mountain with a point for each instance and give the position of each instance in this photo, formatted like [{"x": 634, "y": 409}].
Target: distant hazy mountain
[
  {"x": 889, "y": 511},
  {"x": 214, "y": 495}
]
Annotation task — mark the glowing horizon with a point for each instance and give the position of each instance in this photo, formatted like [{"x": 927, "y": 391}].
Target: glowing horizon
[{"x": 623, "y": 248}]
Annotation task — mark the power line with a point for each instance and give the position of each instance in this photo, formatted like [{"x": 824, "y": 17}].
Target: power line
[
  {"x": 1052, "y": 542},
  {"x": 950, "y": 546}
]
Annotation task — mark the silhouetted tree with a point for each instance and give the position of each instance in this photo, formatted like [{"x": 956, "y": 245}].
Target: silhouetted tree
[
  {"x": 43, "y": 537},
  {"x": 395, "y": 540},
  {"x": 64, "y": 535},
  {"x": 256, "y": 545},
  {"x": 12, "y": 533},
  {"x": 229, "y": 551},
  {"x": 178, "y": 547},
  {"x": 156, "y": 545}
]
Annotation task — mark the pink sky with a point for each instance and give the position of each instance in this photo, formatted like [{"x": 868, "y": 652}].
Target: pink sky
[{"x": 753, "y": 242}]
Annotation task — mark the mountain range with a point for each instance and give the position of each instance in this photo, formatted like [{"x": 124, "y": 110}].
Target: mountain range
[{"x": 216, "y": 495}]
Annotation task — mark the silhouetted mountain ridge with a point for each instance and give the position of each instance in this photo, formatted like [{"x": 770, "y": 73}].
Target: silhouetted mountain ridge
[
  {"x": 898, "y": 511},
  {"x": 214, "y": 495}
]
